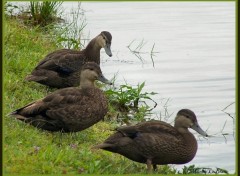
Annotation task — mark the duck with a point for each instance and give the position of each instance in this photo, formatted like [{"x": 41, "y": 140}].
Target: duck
[
  {"x": 156, "y": 142},
  {"x": 61, "y": 68},
  {"x": 70, "y": 109}
]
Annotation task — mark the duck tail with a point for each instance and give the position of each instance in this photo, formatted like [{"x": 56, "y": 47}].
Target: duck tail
[
  {"x": 34, "y": 78},
  {"x": 13, "y": 113},
  {"x": 103, "y": 146},
  {"x": 17, "y": 115}
]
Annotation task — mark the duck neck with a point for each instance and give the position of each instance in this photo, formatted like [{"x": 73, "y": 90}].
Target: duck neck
[
  {"x": 181, "y": 129},
  {"x": 92, "y": 51},
  {"x": 86, "y": 83}
]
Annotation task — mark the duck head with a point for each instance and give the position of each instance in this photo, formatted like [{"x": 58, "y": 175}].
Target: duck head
[
  {"x": 187, "y": 119},
  {"x": 105, "y": 40},
  {"x": 91, "y": 72}
]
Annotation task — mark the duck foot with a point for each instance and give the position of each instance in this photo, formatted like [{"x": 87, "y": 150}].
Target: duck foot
[
  {"x": 149, "y": 166},
  {"x": 154, "y": 167}
]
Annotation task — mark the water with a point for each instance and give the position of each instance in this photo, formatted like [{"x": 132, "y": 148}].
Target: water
[{"x": 194, "y": 62}]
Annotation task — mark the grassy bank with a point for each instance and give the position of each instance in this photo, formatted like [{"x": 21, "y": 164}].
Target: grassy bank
[{"x": 28, "y": 150}]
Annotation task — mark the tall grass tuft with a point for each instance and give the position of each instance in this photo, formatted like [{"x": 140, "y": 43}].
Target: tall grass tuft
[
  {"x": 71, "y": 36},
  {"x": 44, "y": 13}
]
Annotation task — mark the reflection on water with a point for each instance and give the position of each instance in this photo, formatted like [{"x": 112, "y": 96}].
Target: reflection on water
[{"x": 194, "y": 63}]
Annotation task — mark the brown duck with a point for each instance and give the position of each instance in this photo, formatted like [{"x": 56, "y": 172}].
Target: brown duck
[
  {"x": 61, "y": 68},
  {"x": 157, "y": 142},
  {"x": 69, "y": 109}
]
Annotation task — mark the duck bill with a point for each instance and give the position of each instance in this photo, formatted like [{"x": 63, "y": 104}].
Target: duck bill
[
  {"x": 104, "y": 80},
  {"x": 108, "y": 50},
  {"x": 198, "y": 129}
]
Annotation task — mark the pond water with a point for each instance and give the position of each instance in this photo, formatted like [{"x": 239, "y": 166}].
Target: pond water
[{"x": 194, "y": 62}]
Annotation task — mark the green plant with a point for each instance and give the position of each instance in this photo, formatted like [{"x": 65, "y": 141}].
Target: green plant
[
  {"x": 70, "y": 33},
  {"x": 192, "y": 169},
  {"x": 131, "y": 102},
  {"x": 44, "y": 13}
]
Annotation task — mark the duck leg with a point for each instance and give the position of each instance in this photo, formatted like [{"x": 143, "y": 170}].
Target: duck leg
[{"x": 149, "y": 165}]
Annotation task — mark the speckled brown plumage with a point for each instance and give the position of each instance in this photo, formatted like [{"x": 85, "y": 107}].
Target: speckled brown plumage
[
  {"x": 62, "y": 68},
  {"x": 157, "y": 142},
  {"x": 69, "y": 109}
]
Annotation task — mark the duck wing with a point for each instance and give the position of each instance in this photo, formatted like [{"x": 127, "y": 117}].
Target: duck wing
[
  {"x": 154, "y": 139},
  {"x": 157, "y": 127},
  {"x": 29, "y": 110},
  {"x": 78, "y": 109},
  {"x": 64, "y": 61},
  {"x": 40, "y": 106}
]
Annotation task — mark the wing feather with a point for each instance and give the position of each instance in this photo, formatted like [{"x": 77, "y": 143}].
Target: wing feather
[{"x": 63, "y": 61}]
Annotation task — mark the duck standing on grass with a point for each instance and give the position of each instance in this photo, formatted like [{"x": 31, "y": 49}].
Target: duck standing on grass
[
  {"x": 70, "y": 109},
  {"x": 157, "y": 142},
  {"x": 61, "y": 68}
]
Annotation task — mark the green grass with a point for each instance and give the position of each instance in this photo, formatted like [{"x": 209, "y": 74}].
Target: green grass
[{"x": 27, "y": 150}]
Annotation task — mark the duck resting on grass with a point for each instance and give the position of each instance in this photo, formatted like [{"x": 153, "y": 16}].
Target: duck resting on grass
[
  {"x": 157, "y": 142},
  {"x": 70, "y": 109},
  {"x": 61, "y": 68}
]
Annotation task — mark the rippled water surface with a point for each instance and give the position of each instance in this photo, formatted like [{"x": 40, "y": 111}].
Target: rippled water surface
[{"x": 194, "y": 62}]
